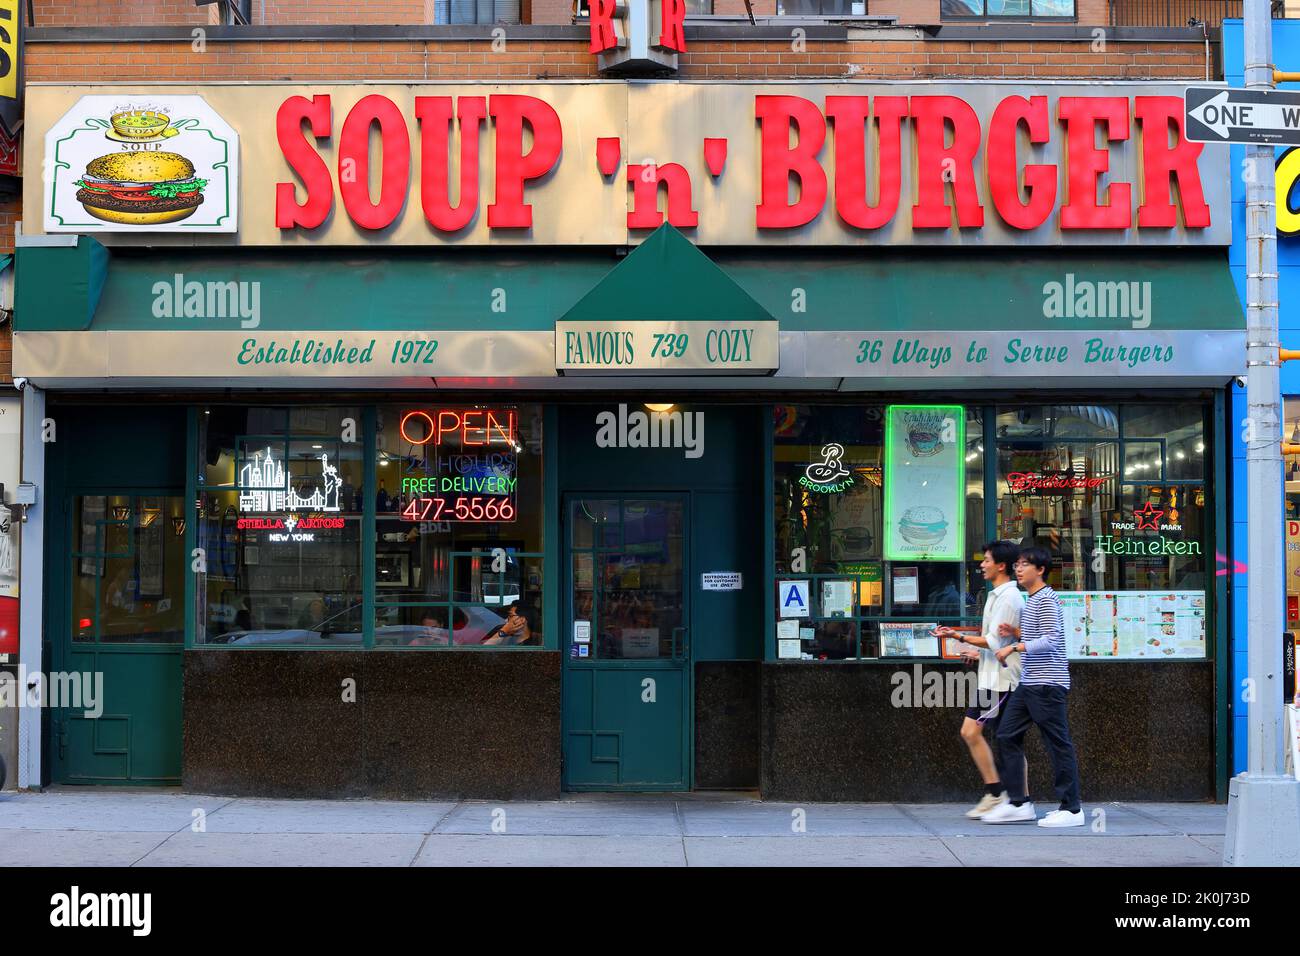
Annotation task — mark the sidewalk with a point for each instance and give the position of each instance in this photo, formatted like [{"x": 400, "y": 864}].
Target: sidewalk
[{"x": 157, "y": 828}]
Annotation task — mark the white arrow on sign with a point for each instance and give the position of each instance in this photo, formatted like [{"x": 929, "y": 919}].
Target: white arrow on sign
[{"x": 1220, "y": 115}]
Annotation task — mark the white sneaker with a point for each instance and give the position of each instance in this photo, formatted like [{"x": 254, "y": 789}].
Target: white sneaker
[
  {"x": 1010, "y": 813},
  {"x": 987, "y": 803},
  {"x": 1063, "y": 818}
]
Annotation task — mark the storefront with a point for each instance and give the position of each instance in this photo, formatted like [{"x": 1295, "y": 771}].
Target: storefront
[{"x": 617, "y": 474}]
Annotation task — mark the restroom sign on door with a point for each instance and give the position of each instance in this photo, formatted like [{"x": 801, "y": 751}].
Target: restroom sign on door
[
  {"x": 721, "y": 581},
  {"x": 792, "y": 598}
]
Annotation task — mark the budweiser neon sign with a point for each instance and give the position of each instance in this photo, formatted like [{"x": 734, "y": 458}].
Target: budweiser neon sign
[{"x": 1032, "y": 482}]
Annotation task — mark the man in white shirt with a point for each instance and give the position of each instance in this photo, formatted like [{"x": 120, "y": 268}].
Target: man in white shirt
[{"x": 996, "y": 679}]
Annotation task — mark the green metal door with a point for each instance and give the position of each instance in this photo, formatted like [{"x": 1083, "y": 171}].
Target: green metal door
[
  {"x": 626, "y": 643},
  {"x": 118, "y": 641}
]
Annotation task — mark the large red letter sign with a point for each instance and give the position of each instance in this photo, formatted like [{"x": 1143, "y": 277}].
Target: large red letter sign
[
  {"x": 672, "y": 21},
  {"x": 780, "y": 161},
  {"x": 354, "y": 162},
  {"x": 1004, "y": 178},
  {"x": 848, "y": 115},
  {"x": 1081, "y": 114},
  {"x": 937, "y": 164},
  {"x": 1160, "y": 162},
  {"x": 434, "y": 116},
  {"x": 602, "y": 26},
  {"x": 511, "y": 111},
  {"x": 305, "y": 162}
]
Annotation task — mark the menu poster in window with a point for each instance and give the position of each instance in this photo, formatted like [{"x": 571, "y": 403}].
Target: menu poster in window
[
  {"x": 149, "y": 548},
  {"x": 871, "y": 585},
  {"x": 906, "y": 639},
  {"x": 854, "y": 520},
  {"x": 925, "y": 465},
  {"x": 94, "y": 513},
  {"x": 837, "y": 598},
  {"x": 907, "y": 585},
  {"x": 954, "y": 648},
  {"x": 1134, "y": 624}
]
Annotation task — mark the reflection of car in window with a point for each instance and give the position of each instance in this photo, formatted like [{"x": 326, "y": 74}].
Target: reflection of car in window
[{"x": 470, "y": 626}]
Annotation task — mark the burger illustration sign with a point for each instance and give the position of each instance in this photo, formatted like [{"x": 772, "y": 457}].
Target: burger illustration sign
[
  {"x": 124, "y": 164},
  {"x": 925, "y": 463}
]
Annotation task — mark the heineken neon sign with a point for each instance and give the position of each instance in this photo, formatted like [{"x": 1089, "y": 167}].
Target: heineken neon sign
[{"x": 1145, "y": 547}]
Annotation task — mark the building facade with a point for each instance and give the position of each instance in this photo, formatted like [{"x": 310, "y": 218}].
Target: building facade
[{"x": 430, "y": 412}]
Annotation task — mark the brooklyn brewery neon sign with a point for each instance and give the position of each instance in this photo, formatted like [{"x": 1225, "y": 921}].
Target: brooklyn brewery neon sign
[{"x": 943, "y": 134}]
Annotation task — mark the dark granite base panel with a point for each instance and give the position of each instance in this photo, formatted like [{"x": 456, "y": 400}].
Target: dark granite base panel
[
  {"x": 424, "y": 725},
  {"x": 727, "y": 740},
  {"x": 1142, "y": 730}
]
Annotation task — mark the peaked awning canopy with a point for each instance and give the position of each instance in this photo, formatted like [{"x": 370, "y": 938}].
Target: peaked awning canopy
[
  {"x": 667, "y": 278},
  {"x": 667, "y": 309}
]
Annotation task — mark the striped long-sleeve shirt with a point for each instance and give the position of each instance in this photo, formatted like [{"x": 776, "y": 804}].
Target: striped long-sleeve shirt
[{"x": 1042, "y": 631}]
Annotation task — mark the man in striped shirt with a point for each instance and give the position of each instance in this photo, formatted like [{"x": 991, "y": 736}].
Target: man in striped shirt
[{"x": 1040, "y": 699}]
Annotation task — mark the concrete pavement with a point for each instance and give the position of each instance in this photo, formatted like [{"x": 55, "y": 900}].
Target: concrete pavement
[{"x": 70, "y": 827}]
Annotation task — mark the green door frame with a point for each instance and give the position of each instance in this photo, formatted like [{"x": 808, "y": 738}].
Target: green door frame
[
  {"x": 58, "y": 598},
  {"x": 684, "y": 664}
]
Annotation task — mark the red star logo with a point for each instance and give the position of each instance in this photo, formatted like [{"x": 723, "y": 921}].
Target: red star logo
[{"x": 1148, "y": 517}]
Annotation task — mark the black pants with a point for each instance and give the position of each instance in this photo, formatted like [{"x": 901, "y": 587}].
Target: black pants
[{"x": 1044, "y": 706}]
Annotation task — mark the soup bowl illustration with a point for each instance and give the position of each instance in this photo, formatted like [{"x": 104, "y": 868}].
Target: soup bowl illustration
[
  {"x": 139, "y": 124},
  {"x": 923, "y": 443}
]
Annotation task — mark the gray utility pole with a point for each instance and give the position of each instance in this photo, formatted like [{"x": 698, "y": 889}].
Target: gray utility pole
[{"x": 1263, "y": 804}]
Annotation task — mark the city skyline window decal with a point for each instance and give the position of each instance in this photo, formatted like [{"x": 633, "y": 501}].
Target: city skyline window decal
[{"x": 267, "y": 485}]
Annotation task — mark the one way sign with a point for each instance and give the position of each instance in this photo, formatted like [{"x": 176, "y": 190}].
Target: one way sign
[{"x": 1265, "y": 117}]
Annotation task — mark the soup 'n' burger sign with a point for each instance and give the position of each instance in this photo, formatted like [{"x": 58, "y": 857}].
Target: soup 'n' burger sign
[{"x": 605, "y": 163}]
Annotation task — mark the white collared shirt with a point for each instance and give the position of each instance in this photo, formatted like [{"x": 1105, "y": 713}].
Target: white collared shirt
[{"x": 1001, "y": 607}]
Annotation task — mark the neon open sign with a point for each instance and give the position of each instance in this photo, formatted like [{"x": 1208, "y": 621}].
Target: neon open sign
[
  {"x": 469, "y": 472},
  {"x": 466, "y": 427}
]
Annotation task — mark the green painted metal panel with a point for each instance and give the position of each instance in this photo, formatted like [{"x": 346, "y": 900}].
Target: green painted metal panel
[
  {"x": 727, "y": 625},
  {"x": 898, "y": 290},
  {"x": 551, "y": 529},
  {"x": 136, "y": 740},
  {"x": 332, "y": 289},
  {"x": 59, "y": 287},
  {"x": 886, "y": 290}
]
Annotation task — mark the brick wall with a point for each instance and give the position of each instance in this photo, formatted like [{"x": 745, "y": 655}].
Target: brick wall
[
  {"x": 69, "y": 13},
  {"x": 554, "y": 11},
  {"x": 343, "y": 11},
  {"x": 341, "y": 61},
  {"x": 118, "y": 13}
]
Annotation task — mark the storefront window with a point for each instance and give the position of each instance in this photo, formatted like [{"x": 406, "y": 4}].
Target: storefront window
[
  {"x": 128, "y": 569},
  {"x": 830, "y": 471},
  {"x": 1019, "y": 9},
  {"x": 458, "y": 516},
  {"x": 1116, "y": 495},
  {"x": 456, "y": 496},
  {"x": 280, "y": 515}
]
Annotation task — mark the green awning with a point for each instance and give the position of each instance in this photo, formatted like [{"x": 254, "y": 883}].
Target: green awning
[{"x": 666, "y": 278}]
